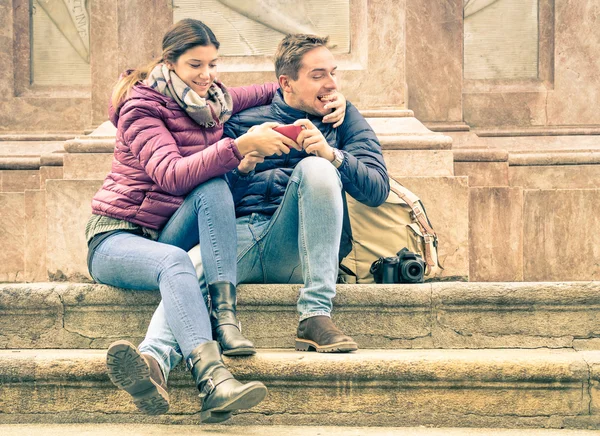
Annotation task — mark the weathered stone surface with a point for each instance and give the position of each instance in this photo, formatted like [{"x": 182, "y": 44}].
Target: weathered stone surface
[
  {"x": 432, "y": 315},
  {"x": 504, "y": 108},
  {"x": 19, "y": 180},
  {"x": 12, "y": 237},
  {"x": 495, "y": 234},
  {"x": 447, "y": 202},
  {"x": 434, "y": 54},
  {"x": 496, "y": 315},
  {"x": 417, "y": 163},
  {"x": 407, "y": 133},
  {"x": 555, "y": 176},
  {"x": 35, "y": 236},
  {"x": 576, "y": 72},
  {"x": 434, "y": 387},
  {"x": 483, "y": 173},
  {"x": 14, "y": 163},
  {"x": 68, "y": 207},
  {"x": 561, "y": 235},
  {"x": 47, "y": 173},
  {"x": 267, "y": 430},
  {"x": 87, "y": 166}
]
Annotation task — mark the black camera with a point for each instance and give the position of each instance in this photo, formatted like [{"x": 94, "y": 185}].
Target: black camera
[{"x": 406, "y": 267}]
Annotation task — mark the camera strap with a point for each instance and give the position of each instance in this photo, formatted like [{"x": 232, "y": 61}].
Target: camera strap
[{"x": 418, "y": 211}]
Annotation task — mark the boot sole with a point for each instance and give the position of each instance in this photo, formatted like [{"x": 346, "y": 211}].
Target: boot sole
[
  {"x": 338, "y": 347},
  {"x": 245, "y": 400},
  {"x": 128, "y": 371},
  {"x": 239, "y": 352}
]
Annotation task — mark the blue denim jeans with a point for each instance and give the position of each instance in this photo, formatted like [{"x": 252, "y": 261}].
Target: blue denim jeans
[
  {"x": 298, "y": 244},
  {"x": 130, "y": 261}
]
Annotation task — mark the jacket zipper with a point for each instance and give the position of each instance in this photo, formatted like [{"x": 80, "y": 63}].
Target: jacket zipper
[{"x": 269, "y": 183}]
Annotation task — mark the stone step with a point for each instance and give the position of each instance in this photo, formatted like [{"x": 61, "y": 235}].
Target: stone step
[
  {"x": 267, "y": 430},
  {"x": 455, "y": 388},
  {"x": 425, "y": 316}
]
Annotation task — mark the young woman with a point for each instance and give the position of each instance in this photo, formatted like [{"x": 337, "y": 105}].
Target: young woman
[{"x": 164, "y": 194}]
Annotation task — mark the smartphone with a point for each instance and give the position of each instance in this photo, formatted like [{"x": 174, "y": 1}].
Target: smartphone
[{"x": 289, "y": 130}]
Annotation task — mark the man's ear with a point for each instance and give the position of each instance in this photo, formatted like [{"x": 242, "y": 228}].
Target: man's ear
[{"x": 284, "y": 83}]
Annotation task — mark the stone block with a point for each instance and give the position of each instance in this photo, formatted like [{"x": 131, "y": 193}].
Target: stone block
[
  {"x": 35, "y": 236},
  {"x": 434, "y": 53},
  {"x": 555, "y": 176},
  {"x": 12, "y": 237},
  {"x": 47, "y": 173},
  {"x": 483, "y": 173},
  {"x": 86, "y": 166},
  {"x": 495, "y": 234},
  {"x": 515, "y": 315},
  {"x": 68, "y": 207},
  {"x": 418, "y": 163},
  {"x": 19, "y": 180},
  {"x": 504, "y": 108},
  {"x": 446, "y": 200},
  {"x": 561, "y": 235},
  {"x": 523, "y": 388}
]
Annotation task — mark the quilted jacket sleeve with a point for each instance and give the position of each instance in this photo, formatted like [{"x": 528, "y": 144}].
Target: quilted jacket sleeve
[
  {"x": 149, "y": 140},
  {"x": 364, "y": 174},
  {"x": 244, "y": 97}
]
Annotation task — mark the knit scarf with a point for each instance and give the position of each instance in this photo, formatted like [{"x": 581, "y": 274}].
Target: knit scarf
[{"x": 207, "y": 112}]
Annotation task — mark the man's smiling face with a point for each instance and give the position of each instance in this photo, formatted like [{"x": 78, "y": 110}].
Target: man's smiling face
[{"x": 315, "y": 85}]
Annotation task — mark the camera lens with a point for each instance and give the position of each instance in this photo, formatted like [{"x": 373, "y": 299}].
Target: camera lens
[{"x": 412, "y": 271}]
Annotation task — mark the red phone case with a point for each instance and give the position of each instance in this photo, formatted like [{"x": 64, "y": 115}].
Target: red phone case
[{"x": 289, "y": 130}]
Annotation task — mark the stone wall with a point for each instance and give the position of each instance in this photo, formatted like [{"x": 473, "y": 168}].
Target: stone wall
[{"x": 403, "y": 54}]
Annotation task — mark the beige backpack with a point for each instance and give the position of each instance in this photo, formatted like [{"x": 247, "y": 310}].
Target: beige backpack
[{"x": 383, "y": 231}]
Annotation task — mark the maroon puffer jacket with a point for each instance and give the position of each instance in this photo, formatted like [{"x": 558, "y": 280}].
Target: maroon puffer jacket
[{"x": 161, "y": 154}]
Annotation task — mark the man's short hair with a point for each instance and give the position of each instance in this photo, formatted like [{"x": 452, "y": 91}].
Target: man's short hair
[{"x": 291, "y": 50}]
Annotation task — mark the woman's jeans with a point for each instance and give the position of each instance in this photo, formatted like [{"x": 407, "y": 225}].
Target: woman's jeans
[
  {"x": 298, "y": 244},
  {"x": 126, "y": 260}
]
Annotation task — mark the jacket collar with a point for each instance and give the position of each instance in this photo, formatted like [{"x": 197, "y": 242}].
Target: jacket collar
[{"x": 287, "y": 114}]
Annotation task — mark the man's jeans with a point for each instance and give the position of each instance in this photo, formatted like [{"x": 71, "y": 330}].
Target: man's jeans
[
  {"x": 130, "y": 261},
  {"x": 298, "y": 244}
]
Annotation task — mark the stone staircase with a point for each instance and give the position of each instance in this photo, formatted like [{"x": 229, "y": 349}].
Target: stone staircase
[{"x": 517, "y": 346}]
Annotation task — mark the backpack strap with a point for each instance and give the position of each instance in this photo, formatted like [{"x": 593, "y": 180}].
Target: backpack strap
[{"x": 429, "y": 234}]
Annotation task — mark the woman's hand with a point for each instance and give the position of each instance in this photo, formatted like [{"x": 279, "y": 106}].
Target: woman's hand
[
  {"x": 338, "y": 103},
  {"x": 265, "y": 140},
  {"x": 249, "y": 162},
  {"x": 313, "y": 141}
]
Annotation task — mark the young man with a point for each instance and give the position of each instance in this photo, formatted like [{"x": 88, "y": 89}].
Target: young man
[{"x": 290, "y": 207}]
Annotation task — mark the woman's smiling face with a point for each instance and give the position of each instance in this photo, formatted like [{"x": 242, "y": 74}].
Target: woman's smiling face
[{"x": 197, "y": 67}]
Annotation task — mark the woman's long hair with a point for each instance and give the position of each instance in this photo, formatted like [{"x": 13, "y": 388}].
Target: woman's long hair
[{"x": 182, "y": 36}]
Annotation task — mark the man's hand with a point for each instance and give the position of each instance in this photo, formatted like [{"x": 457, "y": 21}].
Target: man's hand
[
  {"x": 249, "y": 162},
  {"x": 265, "y": 140},
  {"x": 312, "y": 140},
  {"x": 338, "y": 103}
]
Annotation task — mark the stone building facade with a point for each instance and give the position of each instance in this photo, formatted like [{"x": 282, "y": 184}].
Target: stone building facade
[{"x": 486, "y": 63}]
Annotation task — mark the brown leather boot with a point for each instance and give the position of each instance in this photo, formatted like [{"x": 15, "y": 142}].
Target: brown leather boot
[
  {"x": 139, "y": 375},
  {"x": 319, "y": 334},
  {"x": 221, "y": 393}
]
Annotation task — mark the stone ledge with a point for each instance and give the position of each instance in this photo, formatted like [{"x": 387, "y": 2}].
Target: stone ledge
[
  {"x": 539, "y": 131},
  {"x": 19, "y": 163},
  {"x": 90, "y": 145},
  {"x": 267, "y": 430},
  {"x": 425, "y": 316},
  {"x": 480, "y": 155},
  {"x": 514, "y": 388},
  {"x": 550, "y": 158},
  {"x": 387, "y": 113}
]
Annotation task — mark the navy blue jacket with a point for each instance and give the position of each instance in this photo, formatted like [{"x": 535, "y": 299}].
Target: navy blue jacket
[{"x": 363, "y": 172}]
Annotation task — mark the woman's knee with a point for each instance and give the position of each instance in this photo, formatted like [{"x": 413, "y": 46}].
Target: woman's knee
[
  {"x": 175, "y": 259},
  {"x": 213, "y": 192}
]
